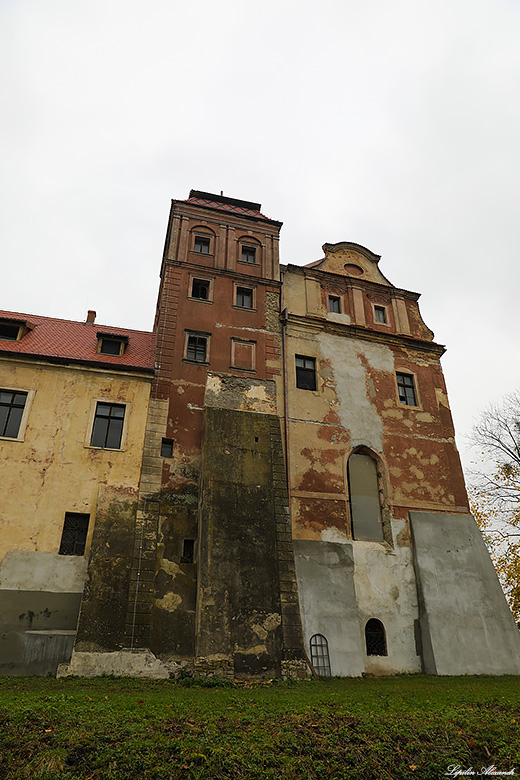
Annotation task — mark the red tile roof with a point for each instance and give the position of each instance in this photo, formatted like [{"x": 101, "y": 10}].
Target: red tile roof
[
  {"x": 218, "y": 202},
  {"x": 66, "y": 340}
]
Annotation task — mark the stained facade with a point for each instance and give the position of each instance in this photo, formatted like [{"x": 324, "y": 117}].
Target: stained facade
[{"x": 300, "y": 503}]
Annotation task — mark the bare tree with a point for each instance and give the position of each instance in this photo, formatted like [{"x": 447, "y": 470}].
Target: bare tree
[{"x": 495, "y": 491}]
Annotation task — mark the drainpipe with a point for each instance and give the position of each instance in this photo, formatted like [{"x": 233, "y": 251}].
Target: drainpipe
[{"x": 283, "y": 319}]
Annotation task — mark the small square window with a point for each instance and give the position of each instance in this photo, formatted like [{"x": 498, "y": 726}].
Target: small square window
[
  {"x": 244, "y": 297},
  {"x": 107, "y": 430},
  {"x": 10, "y": 331},
  {"x": 201, "y": 245},
  {"x": 74, "y": 534},
  {"x": 188, "y": 551},
  {"x": 305, "y": 372},
  {"x": 334, "y": 304},
  {"x": 111, "y": 346},
  {"x": 167, "y": 448},
  {"x": 406, "y": 389},
  {"x": 380, "y": 314},
  {"x": 248, "y": 254},
  {"x": 197, "y": 348},
  {"x": 12, "y": 405},
  {"x": 200, "y": 289}
]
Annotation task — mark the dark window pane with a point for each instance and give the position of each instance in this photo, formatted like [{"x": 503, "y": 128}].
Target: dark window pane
[
  {"x": 9, "y": 332},
  {"x": 11, "y": 411},
  {"x": 108, "y": 426},
  {"x": 380, "y": 313},
  {"x": 196, "y": 349},
  {"x": 167, "y": 448},
  {"x": 365, "y": 508},
  {"x": 245, "y": 297},
  {"x": 110, "y": 347},
  {"x": 320, "y": 655},
  {"x": 200, "y": 289},
  {"x": 305, "y": 372},
  {"x": 248, "y": 254},
  {"x": 202, "y": 245},
  {"x": 375, "y": 639},
  {"x": 334, "y": 304},
  {"x": 74, "y": 535},
  {"x": 188, "y": 550},
  {"x": 406, "y": 388}
]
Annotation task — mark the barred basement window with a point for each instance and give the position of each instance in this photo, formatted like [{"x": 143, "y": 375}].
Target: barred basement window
[
  {"x": 375, "y": 638},
  {"x": 320, "y": 655},
  {"x": 74, "y": 534},
  {"x": 406, "y": 389}
]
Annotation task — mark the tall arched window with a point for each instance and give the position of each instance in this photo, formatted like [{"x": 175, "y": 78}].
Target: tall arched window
[
  {"x": 365, "y": 507},
  {"x": 320, "y": 655},
  {"x": 375, "y": 638}
]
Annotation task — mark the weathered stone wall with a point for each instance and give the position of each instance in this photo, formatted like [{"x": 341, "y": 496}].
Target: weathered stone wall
[{"x": 241, "y": 564}]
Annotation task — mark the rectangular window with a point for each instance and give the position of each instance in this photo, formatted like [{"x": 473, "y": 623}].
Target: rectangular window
[
  {"x": 167, "y": 448},
  {"x": 201, "y": 245},
  {"x": 380, "y": 314},
  {"x": 111, "y": 346},
  {"x": 334, "y": 304},
  {"x": 188, "y": 551},
  {"x": 200, "y": 289},
  {"x": 74, "y": 534},
  {"x": 305, "y": 372},
  {"x": 243, "y": 354},
  {"x": 248, "y": 254},
  {"x": 10, "y": 331},
  {"x": 107, "y": 430},
  {"x": 406, "y": 389},
  {"x": 197, "y": 348},
  {"x": 244, "y": 297},
  {"x": 12, "y": 404}
]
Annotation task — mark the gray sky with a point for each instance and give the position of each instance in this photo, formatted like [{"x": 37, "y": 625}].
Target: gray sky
[{"x": 394, "y": 125}]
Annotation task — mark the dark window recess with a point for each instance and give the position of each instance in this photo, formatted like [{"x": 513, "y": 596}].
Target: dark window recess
[
  {"x": 109, "y": 346},
  {"x": 74, "y": 535},
  {"x": 108, "y": 426},
  {"x": 320, "y": 655},
  {"x": 380, "y": 314},
  {"x": 334, "y": 304},
  {"x": 197, "y": 348},
  {"x": 200, "y": 289},
  {"x": 406, "y": 388},
  {"x": 365, "y": 506},
  {"x": 245, "y": 297},
  {"x": 375, "y": 638},
  {"x": 188, "y": 551},
  {"x": 305, "y": 372},
  {"x": 167, "y": 448},
  {"x": 248, "y": 254},
  {"x": 202, "y": 245},
  {"x": 12, "y": 405},
  {"x": 9, "y": 331}
]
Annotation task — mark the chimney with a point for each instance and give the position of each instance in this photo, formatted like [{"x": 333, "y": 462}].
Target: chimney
[{"x": 91, "y": 317}]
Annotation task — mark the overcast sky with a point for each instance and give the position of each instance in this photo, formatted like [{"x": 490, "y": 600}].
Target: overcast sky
[{"x": 394, "y": 125}]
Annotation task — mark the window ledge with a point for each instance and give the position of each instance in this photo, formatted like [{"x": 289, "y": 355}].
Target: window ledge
[
  {"x": 199, "y": 300},
  {"x": 196, "y": 362},
  {"x": 252, "y": 265},
  {"x": 10, "y": 438},
  {"x": 103, "y": 449},
  {"x": 243, "y": 308}
]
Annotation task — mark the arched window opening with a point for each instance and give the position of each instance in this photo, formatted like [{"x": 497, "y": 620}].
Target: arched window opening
[
  {"x": 375, "y": 638},
  {"x": 365, "y": 507},
  {"x": 320, "y": 655}
]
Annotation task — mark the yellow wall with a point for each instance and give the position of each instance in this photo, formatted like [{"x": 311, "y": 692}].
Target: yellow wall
[{"x": 53, "y": 471}]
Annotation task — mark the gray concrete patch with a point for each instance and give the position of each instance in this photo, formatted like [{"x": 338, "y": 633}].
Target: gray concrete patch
[
  {"x": 466, "y": 625},
  {"x": 325, "y": 574},
  {"x": 51, "y": 572},
  {"x": 122, "y": 663}
]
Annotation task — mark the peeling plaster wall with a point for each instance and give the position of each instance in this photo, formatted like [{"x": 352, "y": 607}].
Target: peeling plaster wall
[{"x": 49, "y": 473}]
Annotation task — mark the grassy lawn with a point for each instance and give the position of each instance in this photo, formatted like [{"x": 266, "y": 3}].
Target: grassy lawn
[{"x": 400, "y": 727}]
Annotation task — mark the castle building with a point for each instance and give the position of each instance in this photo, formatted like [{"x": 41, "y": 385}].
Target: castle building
[
  {"x": 73, "y": 408},
  {"x": 298, "y": 501}
]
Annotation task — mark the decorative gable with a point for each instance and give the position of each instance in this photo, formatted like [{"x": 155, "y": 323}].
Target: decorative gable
[{"x": 349, "y": 259}]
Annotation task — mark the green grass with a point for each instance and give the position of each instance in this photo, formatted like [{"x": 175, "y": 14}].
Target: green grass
[{"x": 400, "y": 727}]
